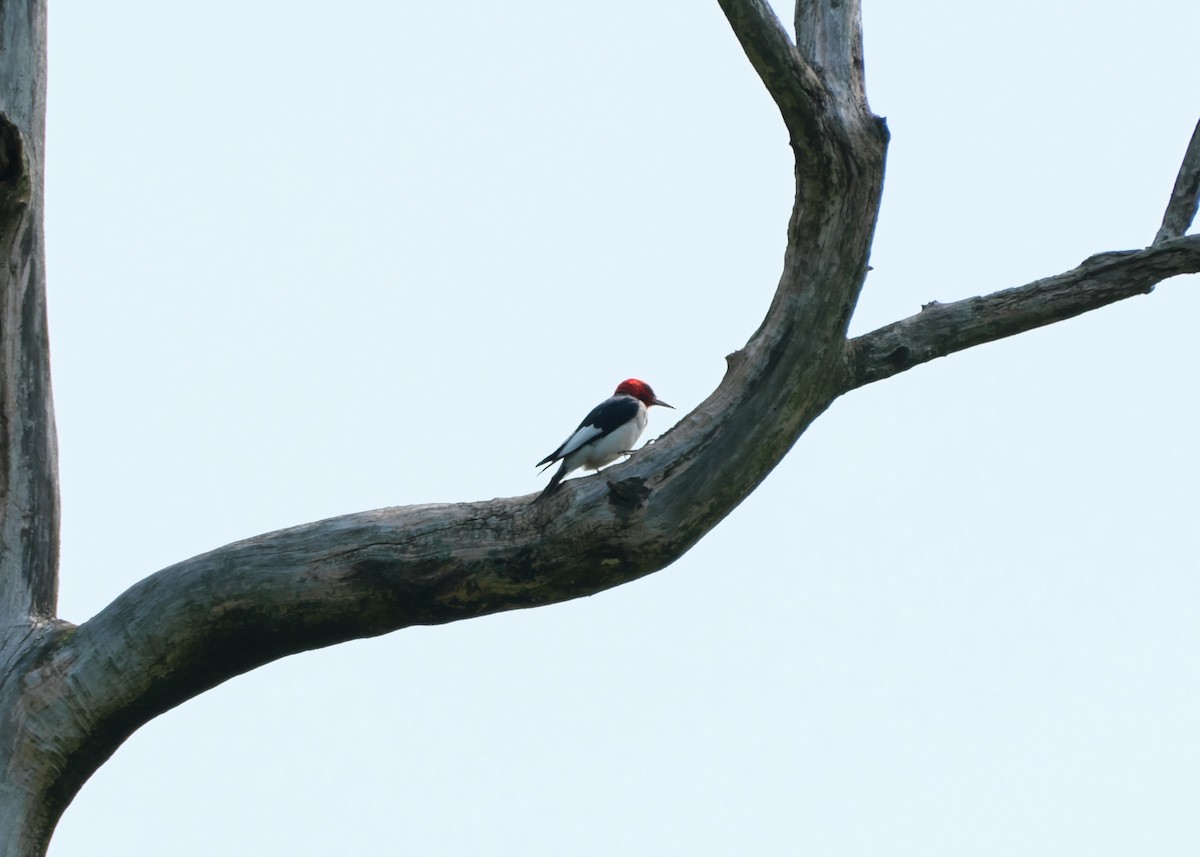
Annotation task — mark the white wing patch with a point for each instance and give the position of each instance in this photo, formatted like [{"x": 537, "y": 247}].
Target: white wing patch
[
  {"x": 608, "y": 448},
  {"x": 582, "y": 435}
]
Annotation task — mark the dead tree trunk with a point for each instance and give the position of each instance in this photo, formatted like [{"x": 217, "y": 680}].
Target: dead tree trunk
[
  {"x": 70, "y": 695},
  {"x": 28, "y": 455}
]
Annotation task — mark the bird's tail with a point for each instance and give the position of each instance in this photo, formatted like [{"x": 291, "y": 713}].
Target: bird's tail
[{"x": 554, "y": 483}]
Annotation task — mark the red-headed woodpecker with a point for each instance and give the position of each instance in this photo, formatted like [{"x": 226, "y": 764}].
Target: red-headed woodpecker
[{"x": 607, "y": 433}]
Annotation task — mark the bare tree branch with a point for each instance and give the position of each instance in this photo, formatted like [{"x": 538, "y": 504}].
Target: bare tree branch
[
  {"x": 1185, "y": 196},
  {"x": 941, "y": 329}
]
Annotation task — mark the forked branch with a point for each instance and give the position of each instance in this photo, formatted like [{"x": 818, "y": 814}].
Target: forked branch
[{"x": 792, "y": 81}]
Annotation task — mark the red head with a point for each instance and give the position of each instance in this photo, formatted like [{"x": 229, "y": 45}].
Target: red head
[{"x": 640, "y": 390}]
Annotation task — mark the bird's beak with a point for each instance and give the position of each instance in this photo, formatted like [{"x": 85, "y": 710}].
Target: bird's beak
[{"x": 663, "y": 404}]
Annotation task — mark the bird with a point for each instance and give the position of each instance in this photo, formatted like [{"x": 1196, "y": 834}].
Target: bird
[{"x": 607, "y": 433}]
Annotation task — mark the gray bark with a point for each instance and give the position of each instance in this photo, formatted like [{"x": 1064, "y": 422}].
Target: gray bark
[
  {"x": 28, "y": 454},
  {"x": 29, "y": 491},
  {"x": 70, "y": 695}
]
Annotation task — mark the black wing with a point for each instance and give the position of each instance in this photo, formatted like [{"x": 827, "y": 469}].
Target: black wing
[{"x": 603, "y": 419}]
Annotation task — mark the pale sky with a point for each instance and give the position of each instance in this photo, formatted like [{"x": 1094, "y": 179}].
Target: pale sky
[{"x": 305, "y": 262}]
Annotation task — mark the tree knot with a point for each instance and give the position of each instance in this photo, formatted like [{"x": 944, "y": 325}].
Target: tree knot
[{"x": 628, "y": 494}]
